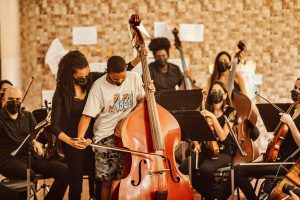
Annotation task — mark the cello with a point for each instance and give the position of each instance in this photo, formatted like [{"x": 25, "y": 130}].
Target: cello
[
  {"x": 149, "y": 128},
  {"x": 247, "y": 117}
]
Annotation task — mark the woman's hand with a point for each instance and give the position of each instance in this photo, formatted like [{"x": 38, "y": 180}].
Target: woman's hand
[
  {"x": 207, "y": 113},
  {"x": 286, "y": 118},
  {"x": 79, "y": 143},
  {"x": 38, "y": 148},
  {"x": 197, "y": 146}
]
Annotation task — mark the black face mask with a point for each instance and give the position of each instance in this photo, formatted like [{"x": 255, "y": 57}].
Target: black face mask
[
  {"x": 82, "y": 82},
  {"x": 215, "y": 97},
  {"x": 161, "y": 62},
  {"x": 13, "y": 107},
  {"x": 223, "y": 66},
  {"x": 294, "y": 94}
]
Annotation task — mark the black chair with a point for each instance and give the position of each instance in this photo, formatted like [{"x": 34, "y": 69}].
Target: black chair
[{"x": 19, "y": 186}]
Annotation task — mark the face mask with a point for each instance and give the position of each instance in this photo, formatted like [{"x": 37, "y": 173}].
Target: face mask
[
  {"x": 161, "y": 62},
  {"x": 215, "y": 97},
  {"x": 294, "y": 94},
  {"x": 223, "y": 66},
  {"x": 82, "y": 82},
  {"x": 13, "y": 107}
]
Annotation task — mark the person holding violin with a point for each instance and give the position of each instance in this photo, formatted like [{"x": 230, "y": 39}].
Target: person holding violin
[
  {"x": 222, "y": 72},
  {"x": 111, "y": 98},
  {"x": 166, "y": 76},
  {"x": 74, "y": 81},
  {"x": 15, "y": 125},
  {"x": 4, "y": 84},
  {"x": 217, "y": 105},
  {"x": 289, "y": 145}
]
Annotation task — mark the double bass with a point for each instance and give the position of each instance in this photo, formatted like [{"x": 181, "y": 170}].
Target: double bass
[
  {"x": 149, "y": 128},
  {"x": 187, "y": 80},
  {"x": 247, "y": 117}
]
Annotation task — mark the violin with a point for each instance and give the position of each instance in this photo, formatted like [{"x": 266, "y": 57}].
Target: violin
[
  {"x": 247, "y": 117},
  {"x": 280, "y": 133},
  {"x": 212, "y": 146},
  {"x": 291, "y": 178}
]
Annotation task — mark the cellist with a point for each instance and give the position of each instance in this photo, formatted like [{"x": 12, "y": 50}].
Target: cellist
[
  {"x": 111, "y": 98},
  {"x": 221, "y": 72},
  {"x": 289, "y": 145}
]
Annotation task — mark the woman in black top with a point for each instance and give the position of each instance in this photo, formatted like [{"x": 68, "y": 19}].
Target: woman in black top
[
  {"x": 74, "y": 81},
  {"x": 217, "y": 107}
]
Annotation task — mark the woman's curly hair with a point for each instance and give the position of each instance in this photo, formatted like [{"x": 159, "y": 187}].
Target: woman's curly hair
[{"x": 69, "y": 63}]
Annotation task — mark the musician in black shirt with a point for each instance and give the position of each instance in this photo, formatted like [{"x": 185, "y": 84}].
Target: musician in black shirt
[
  {"x": 15, "y": 125},
  {"x": 166, "y": 76}
]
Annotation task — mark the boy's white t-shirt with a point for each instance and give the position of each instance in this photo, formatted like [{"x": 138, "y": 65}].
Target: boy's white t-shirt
[{"x": 110, "y": 103}]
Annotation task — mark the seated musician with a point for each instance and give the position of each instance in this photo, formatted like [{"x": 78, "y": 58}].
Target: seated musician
[
  {"x": 15, "y": 125},
  {"x": 217, "y": 107},
  {"x": 221, "y": 72},
  {"x": 166, "y": 76},
  {"x": 289, "y": 145}
]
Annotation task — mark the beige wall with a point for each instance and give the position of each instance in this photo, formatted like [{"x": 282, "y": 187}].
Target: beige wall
[{"x": 269, "y": 28}]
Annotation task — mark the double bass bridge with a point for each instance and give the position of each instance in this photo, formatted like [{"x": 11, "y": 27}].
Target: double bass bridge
[{"x": 161, "y": 171}]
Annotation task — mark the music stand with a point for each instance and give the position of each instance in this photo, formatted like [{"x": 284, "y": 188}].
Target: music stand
[
  {"x": 179, "y": 99},
  {"x": 194, "y": 127},
  {"x": 25, "y": 146},
  {"x": 270, "y": 116}
]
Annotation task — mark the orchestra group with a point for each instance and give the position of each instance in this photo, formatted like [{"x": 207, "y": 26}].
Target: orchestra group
[{"x": 90, "y": 110}]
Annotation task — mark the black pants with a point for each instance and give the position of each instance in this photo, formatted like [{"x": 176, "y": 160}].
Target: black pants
[
  {"x": 203, "y": 179},
  {"x": 80, "y": 162},
  {"x": 242, "y": 175},
  {"x": 15, "y": 168}
]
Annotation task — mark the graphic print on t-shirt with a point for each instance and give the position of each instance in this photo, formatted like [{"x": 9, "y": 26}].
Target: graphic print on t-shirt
[{"x": 121, "y": 104}]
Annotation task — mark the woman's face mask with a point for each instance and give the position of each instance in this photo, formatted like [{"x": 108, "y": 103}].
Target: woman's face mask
[
  {"x": 223, "y": 66},
  {"x": 294, "y": 95},
  {"x": 215, "y": 97}
]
